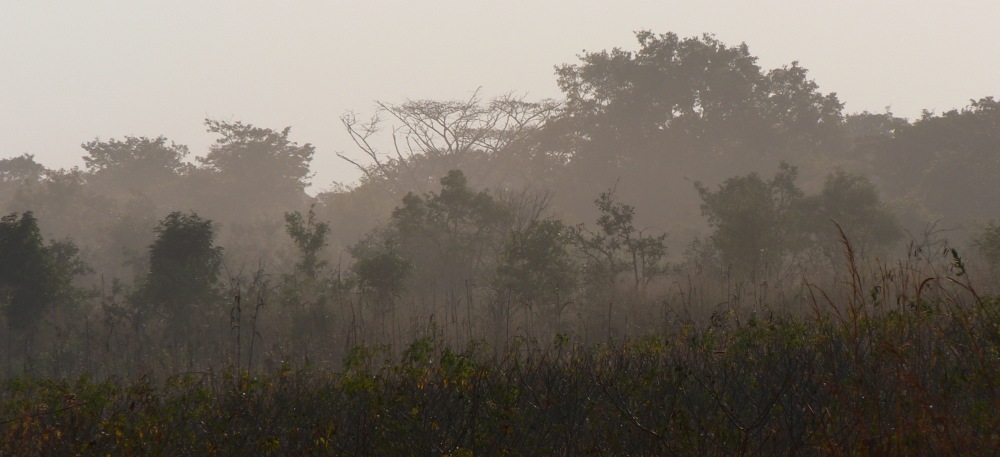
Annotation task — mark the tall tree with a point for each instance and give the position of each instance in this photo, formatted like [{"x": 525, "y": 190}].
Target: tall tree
[
  {"x": 619, "y": 247},
  {"x": 942, "y": 166},
  {"x": 16, "y": 173},
  {"x": 452, "y": 238},
  {"x": 135, "y": 165},
  {"x": 69, "y": 206},
  {"x": 960, "y": 151},
  {"x": 456, "y": 233},
  {"x": 309, "y": 236},
  {"x": 681, "y": 110},
  {"x": 33, "y": 276},
  {"x": 21, "y": 169},
  {"x": 379, "y": 266},
  {"x": 141, "y": 155},
  {"x": 536, "y": 267},
  {"x": 184, "y": 266},
  {"x": 490, "y": 141},
  {"x": 750, "y": 218},
  {"x": 853, "y": 202},
  {"x": 759, "y": 225},
  {"x": 256, "y": 169}
]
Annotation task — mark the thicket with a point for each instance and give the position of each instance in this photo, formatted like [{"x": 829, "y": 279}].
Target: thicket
[{"x": 902, "y": 363}]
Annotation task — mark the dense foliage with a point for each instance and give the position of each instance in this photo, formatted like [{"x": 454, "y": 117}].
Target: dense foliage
[
  {"x": 183, "y": 269},
  {"x": 918, "y": 378},
  {"x": 34, "y": 277}
]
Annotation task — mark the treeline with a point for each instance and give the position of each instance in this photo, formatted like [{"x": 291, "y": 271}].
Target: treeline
[{"x": 677, "y": 178}]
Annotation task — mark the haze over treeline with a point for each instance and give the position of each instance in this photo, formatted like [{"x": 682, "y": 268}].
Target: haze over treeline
[{"x": 678, "y": 173}]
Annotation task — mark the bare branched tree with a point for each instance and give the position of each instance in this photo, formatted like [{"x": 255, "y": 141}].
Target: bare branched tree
[
  {"x": 448, "y": 132},
  {"x": 526, "y": 205}
]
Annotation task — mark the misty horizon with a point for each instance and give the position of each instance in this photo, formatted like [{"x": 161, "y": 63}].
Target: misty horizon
[{"x": 781, "y": 238}]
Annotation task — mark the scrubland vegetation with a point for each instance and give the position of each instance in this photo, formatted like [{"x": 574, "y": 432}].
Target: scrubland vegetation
[
  {"x": 687, "y": 255},
  {"x": 904, "y": 364}
]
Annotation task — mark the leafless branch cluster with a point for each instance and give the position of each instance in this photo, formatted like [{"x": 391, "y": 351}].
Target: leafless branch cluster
[{"x": 450, "y": 129}]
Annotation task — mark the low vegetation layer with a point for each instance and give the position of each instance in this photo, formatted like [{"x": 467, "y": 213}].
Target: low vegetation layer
[{"x": 917, "y": 377}]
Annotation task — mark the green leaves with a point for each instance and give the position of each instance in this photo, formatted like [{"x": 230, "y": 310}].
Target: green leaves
[
  {"x": 184, "y": 266},
  {"x": 853, "y": 202},
  {"x": 620, "y": 247},
  {"x": 309, "y": 236},
  {"x": 450, "y": 237},
  {"x": 246, "y": 150},
  {"x": 33, "y": 277},
  {"x": 746, "y": 214},
  {"x": 758, "y": 224},
  {"x": 379, "y": 267},
  {"x": 135, "y": 155},
  {"x": 537, "y": 267}
]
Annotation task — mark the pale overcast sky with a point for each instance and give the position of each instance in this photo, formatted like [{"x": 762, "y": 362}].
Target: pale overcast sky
[{"x": 71, "y": 71}]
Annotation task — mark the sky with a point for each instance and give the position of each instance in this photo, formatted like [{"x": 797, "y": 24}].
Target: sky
[{"x": 73, "y": 71}]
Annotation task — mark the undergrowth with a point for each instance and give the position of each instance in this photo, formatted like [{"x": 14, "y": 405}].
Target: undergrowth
[
  {"x": 895, "y": 361},
  {"x": 918, "y": 380}
]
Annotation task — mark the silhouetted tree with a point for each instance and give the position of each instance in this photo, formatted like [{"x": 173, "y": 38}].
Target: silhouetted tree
[
  {"x": 70, "y": 207},
  {"x": 963, "y": 148},
  {"x": 853, "y": 202},
  {"x": 442, "y": 241},
  {"x": 489, "y": 141},
  {"x": 941, "y": 166},
  {"x": 537, "y": 269},
  {"x": 309, "y": 236},
  {"x": 256, "y": 169},
  {"x": 136, "y": 165},
  {"x": 685, "y": 109},
  {"x": 619, "y": 247},
  {"x": 21, "y": 169},
  {"x": 750, "y": 218},
  {"x": 184, "y": 266},
  {"x": 33, "y": 276},
  {"x": 759, "y": 224},
  {"x": 988, "y": 244},
  {"x": 18, "y": 172},
  {"x": 379, "y": 267},
  {"x": 140, "y": 156},
  {"x": 452, "y": 236}
]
